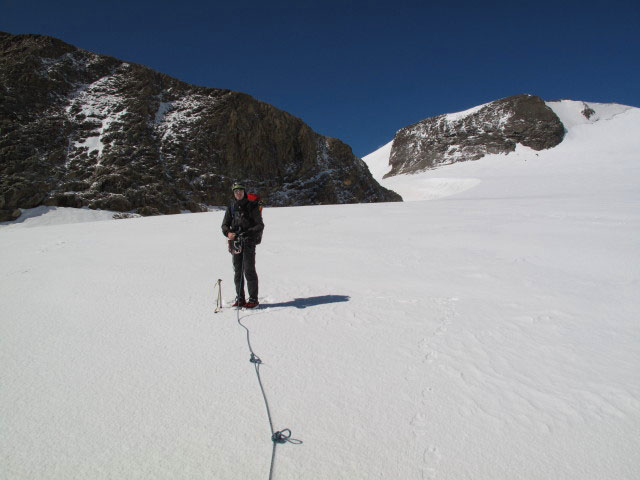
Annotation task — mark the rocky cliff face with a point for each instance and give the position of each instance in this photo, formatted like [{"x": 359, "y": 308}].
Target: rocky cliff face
[
  {"x": 495, "y": 127},
  {"x": 81, "y": 129}
]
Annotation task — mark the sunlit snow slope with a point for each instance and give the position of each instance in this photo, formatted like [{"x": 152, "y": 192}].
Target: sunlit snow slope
[
  {"x": 492, "y": 334},
  {"x": 591, "y": 148}
]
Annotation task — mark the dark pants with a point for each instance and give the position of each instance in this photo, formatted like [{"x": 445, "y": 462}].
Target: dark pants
[{"x": 246, "y": 260}]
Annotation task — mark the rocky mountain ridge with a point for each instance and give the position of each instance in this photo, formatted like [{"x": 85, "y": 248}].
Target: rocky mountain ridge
[
  {"x": 81, "y": 129},
  {"x": 495, "y": 127}
]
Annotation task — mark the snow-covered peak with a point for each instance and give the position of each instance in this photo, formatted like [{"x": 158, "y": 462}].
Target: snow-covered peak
[
  {"x": 572, "y": 112},
  {"x": 596, "y": 134}
]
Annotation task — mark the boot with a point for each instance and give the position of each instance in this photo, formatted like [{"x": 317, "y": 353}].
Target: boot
[
  {"x": 239, "y": 303},
  {"x": 252, "y": 303}
]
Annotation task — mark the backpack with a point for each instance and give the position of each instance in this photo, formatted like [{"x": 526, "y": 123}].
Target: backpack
[
  {"x": 254, "y": 200},
  {"x": 255, "y": 197}
]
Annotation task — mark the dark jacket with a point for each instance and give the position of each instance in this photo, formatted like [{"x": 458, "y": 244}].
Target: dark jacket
[{"x": 243, "y": 217}]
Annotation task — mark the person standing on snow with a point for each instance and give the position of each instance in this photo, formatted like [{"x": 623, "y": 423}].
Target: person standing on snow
[{"x": 243, "y": 226}]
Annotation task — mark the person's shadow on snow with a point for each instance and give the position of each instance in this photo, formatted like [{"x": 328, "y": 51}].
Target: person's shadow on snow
[{"x": 309, "y": 301}]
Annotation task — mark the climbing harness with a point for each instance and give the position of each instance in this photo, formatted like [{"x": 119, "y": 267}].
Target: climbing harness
[{"x": 235, "y": 245}]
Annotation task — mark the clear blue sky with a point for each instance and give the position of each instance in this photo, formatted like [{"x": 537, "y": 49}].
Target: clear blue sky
[{"x": 359, "y": 71}]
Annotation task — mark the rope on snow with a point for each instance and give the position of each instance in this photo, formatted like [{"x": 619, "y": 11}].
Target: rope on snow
[{"x": 282, "y": 436}]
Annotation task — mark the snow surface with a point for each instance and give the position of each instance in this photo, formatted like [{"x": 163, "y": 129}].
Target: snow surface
[
  {"x": 378, "y": 161},
  {"x": 41, "y": 216},
  {"x": 492, "y": 334}
]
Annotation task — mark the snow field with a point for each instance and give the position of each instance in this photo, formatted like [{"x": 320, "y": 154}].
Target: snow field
[
  {"x": 490, "y": 334},
  {"x": 452, "y": 341}
]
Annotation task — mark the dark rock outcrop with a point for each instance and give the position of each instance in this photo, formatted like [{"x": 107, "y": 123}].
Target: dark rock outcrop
[
  {"x": 81, "y": 129},
  {"x": 492, "y": 128}
]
